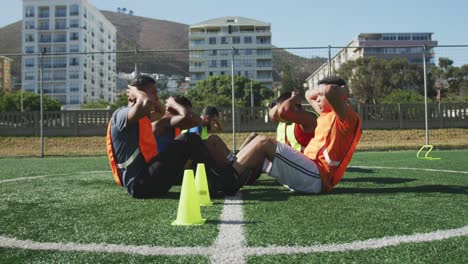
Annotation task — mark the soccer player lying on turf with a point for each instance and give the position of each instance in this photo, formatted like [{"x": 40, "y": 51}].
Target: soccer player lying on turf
[
  {"x": 133, "y": 153},
  {"x": 324, "y": 160},
  {"x": 179, "y": 116},
  {"x": 296, "y": 126}
]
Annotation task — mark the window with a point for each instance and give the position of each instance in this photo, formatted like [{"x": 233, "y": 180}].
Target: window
[
  {"x": 224, "y": 63},
  {"x": 29, "y": 24},
  {"x": 60, "y": 24},
  {"x": 60, "y": 37},
  {"x": 29, "y": 37},
  {"x": 404, "y": 37},
  {"x": 248, "y": 52},
  {"x": 46, "y": 49},
  {"x": 29, "y": 49},
  {"x": 235, "y": 40},
  {"x": 29, "y": 62},
  {"x": 74, "y": 23},
  {"x": 224, "y": 40},
  {"x": 74, "y": 61},
  {"x": 74, "y": 99},
  {"x": 196, "y": 42},
  {"x": 44, "y": 12},
  {"x": 60, "y": 63},
  {"x": 60, "y": 11},
  {"x": 29, "y": 76},
  {"x": 389, "y": 37},
  {"x": 213, "y": 53},
  {"x": 44, "y": 25},
  {"x": 212, "y": 40},
  {"x": 29, "y": 11},
  {"x": 248, "y": 63},
  {"x": 212, "y": 64},
  {"x": 247, "y": 40},
  {"x": 59, "y": 49},
  {"x": 264, "y": 52},
  {"x": 74, "y": 10},
  {"x": 74, "y": 48},
  {"x": 74, "y": 75},
  {"x": 74, "y": 35},
  {"x": 263, "y": 40}
]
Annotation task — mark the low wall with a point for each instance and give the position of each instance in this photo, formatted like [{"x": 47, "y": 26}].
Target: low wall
[{"x": 94, "y": 122}]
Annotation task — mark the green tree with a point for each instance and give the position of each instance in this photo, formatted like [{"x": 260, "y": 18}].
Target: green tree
[
  {"x": 370, "y": 79},
  {"x": 216, "y": 90},
  {"x": 403, "y": 97},
  {"x": 288, "y": 83},
  {"x": 11, "y": 102}
]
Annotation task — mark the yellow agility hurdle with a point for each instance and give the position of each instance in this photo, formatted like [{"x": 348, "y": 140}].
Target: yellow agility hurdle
[{"x": 426, "y": 156}]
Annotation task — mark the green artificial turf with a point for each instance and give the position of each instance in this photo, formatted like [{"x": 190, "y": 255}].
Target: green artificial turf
[
  {"x": 46, "y": 257},
  {"x": 452, "y": 250},
  {"x": 77, "y": 201},
  {"x": 90, "y": 208},
  {"x": 368, "y": 203}
]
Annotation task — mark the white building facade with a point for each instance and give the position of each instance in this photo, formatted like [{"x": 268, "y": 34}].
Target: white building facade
[
  {"x": 379, "y": 45},
  {"x": 71, "y": 27},
  {"x": 213, "y": 42}
]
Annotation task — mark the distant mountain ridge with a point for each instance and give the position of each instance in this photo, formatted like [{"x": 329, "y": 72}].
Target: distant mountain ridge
[{"x": 135, "y": 32}]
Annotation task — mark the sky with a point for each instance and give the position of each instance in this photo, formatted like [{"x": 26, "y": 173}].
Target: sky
[{"x": 303, "y": 23}]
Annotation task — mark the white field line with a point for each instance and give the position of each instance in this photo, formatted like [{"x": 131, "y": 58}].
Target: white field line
[
  {"x": 6, "y": 242},
  {"x": 404, "y": 168},
  {"x": 229, "y": 245},
  {"x": 361, "y": 245},
  {"x": 49, "y": 175}
]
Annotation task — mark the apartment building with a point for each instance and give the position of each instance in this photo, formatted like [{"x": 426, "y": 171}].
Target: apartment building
[
  {"x": 213, "y": 42},
  {"x": 380, "y": 45},
  {"x": 55, "y": 35},
  {"x": 5, "y": 74}
]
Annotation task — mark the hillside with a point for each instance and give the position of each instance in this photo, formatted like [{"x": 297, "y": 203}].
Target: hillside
[{"x": 153, "y": 34}]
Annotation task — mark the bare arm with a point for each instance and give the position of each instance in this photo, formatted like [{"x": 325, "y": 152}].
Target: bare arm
[
  {"x": 336, "y": 96},
  {"x": 140, "y": 103},
  {"x": 289, "y": 111},
  {"x": 181, "y": 116}
]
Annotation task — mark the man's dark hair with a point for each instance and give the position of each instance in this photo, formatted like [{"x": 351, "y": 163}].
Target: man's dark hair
[
  {"x": 141, "y": 81},
  {"x": 210, "y": 111},
  {"x": 283, "y": 97},
  {"x": 182, "y": 100},
  {"x": 335, "y": 80}
]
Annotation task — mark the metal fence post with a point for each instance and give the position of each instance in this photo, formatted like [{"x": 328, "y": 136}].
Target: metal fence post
[
  {"x": 425, "y": 95},
  {"x": 400, "y": 118},
  {"x": 329, "y": 60},
  {"x": 41, "y": 84},
  {"x": 233, "y": 104}
]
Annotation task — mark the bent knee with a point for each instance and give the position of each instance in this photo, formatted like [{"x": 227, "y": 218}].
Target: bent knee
[{"x": 265, "y": 140}]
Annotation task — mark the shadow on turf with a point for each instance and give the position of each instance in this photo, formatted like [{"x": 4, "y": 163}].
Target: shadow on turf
[
  {"x": 379, "y": 180},
  {"x": 217, "y": 222},
  {"x": 360, "y": 170},
  {"x": 453, "y": 189}
]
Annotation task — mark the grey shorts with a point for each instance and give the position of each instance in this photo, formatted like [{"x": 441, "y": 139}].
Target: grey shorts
[{"x": 294, "y": 170}]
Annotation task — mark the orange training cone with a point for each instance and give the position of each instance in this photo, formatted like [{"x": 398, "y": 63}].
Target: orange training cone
[
  {"x": 202, "y": 186},
  {"x": 188, "y": 212}
]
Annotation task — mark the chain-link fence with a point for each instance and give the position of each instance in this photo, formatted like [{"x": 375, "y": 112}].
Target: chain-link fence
[{"x": 81, "y": 78}]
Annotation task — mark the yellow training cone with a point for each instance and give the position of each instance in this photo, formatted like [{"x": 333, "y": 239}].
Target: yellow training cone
[
  {"x": 202, "y": 186},
  {"x": 189, "y": 207}
]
